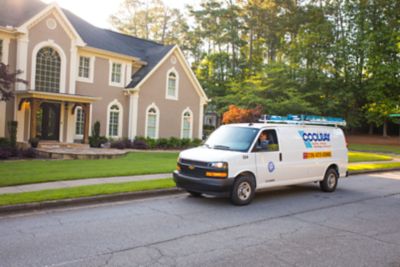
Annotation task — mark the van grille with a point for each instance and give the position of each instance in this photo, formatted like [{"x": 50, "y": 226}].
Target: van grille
[{"x": 194, "y": 162}]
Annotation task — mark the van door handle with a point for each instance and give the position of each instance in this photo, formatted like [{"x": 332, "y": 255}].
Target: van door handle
[{"x": 280, "y": 156}]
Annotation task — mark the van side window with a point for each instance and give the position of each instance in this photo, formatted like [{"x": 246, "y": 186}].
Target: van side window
[{"x": 267, "y": 141}]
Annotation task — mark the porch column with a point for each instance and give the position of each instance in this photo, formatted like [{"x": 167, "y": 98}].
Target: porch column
[
  {"x": 34, "y": 109},
  {"x": 86, "y": 112}
]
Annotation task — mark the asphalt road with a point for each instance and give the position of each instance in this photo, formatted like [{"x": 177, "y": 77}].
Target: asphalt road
[{"x": 358, "y": 225}]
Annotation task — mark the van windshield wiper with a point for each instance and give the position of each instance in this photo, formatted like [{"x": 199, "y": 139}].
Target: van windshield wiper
[
  {"x": 222, "y": 147},
  {"x": 207, "y": 145}
]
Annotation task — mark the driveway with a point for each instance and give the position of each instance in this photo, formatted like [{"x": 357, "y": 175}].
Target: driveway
[{"x": 358, "y": 225}]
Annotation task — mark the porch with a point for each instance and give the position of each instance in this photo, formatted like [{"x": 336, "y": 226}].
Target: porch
[{"x": 53, "y": 117}]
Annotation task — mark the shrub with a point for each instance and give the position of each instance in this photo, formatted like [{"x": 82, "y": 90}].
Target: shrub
[
  {"x": 4, "y": 143},
  {"x": 185, "y": 143},
  {"x": 139, "y": 144},
  {"x": 34, "y": 142},
  {"x": 96, "y": 140},
  {"x": 196, "y": 142},
  {"x": 151, "y": 143},
  {"x": 174, "y": 142},
  {"x": 12, "y": 130},
  {"x": 119, "y": 144},
  {"x": 28, "y": 153},
  {"x": 162, "y": 143},
  {"x": 5, "y": 153}
]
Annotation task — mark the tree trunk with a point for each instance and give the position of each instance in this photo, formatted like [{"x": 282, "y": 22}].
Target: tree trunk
[
  {"x": 371, "y": 129},
  {"x": 385, "y": 129}
]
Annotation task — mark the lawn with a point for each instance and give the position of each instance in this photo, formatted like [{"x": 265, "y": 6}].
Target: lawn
[
  {"x": 84, "y": 191},
  {"x": 375, "y": 148},
  {"x": 36, "y": 171},
  {"x": 364, "y": 157},
  {"x": 373, "y": 166}
]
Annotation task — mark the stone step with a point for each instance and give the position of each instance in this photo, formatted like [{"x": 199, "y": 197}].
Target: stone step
[{"x": 54, "y": 144}]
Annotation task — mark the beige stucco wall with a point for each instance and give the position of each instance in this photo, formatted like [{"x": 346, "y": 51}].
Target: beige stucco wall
[
  {"x": 101, "y": 88},
  {"x": 154, "y": 91},
  {"x": 41, "y": 33}
]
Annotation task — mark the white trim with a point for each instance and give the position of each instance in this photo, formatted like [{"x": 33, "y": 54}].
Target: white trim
[
  {"x": 90, "y": 79},
  {"x": 157, "y": 119},
  {"x": 167, "y": 96},
  {"x": 123, "y": 68},
  {"x": 128, "y": 76},
  {"x": 63, "y": 69},
  {"x": 201, "y": 119},
  {"x": 120, "y": 118},
  {"x": 62, "y": 122},
  {"x": 5, "y": 50},
  {"x": 48, "y": 10},
  {"x": 22, "y": 60},
  {"x": 133, "y": 114},
  {"x": 191, "y": 122},
  {"x": 72, "y": 69}
]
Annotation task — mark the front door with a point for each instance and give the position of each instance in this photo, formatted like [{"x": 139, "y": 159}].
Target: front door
[{"x": 49, "y": 121}]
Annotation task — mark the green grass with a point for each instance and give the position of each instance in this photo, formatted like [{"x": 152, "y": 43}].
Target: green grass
[
  {"x": 36, "y": 171},
  {"x": 373, "y": 166},
  {"x": 84, "y": 191},
  {"x": 375, "y": 148},
  {"x": 363, "y": 157}
]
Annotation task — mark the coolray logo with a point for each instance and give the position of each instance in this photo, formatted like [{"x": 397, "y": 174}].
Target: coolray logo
[{"x": 315, "y": 139}]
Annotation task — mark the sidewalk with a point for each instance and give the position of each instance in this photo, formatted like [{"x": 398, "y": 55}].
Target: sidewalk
[{"x": 81, "y": 182}]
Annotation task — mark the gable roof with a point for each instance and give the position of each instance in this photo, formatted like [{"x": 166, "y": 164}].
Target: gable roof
[{"x": 16, "y": 12}]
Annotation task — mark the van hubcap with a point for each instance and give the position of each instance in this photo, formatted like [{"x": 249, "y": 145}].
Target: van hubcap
[
  {"x": 244, "y": 191},
  {"x": 331, "y": 180}
]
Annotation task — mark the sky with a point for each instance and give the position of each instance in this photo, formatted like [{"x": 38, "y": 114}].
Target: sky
[{"x": 97, "y": 12}]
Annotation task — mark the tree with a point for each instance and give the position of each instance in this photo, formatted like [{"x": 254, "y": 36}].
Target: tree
[
  {"x": 236, "y": 115},
  {"x": 7, "y": 81}
]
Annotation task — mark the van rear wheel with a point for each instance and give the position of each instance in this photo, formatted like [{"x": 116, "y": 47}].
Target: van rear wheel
[
  {"x": 194, "y": 194},
  {"x": 330, "y": 181},
  {"x": 243, "y": 190}
]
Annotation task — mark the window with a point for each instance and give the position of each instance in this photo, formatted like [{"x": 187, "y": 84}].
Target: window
[
  {"x": 172, "y": 85},
  {"x": 267, "y": 141},
  {"x": 116, "y": 73},
  {"x": 84, "y": 67},
  {"x": 186, "y": 124},
  {"x": 79, "y": 122},
  {"x": 113, "y": 125},
  {"x": 152, "y": 120},
  {"x": 48, "y": 70}
]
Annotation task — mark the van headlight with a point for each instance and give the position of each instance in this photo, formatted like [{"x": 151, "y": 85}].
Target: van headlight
[{"x": 219, "y": 165}]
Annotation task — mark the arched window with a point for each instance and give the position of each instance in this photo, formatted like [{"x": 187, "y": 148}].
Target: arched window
[
  {"x": 79, "y": 121},
  {"x": 48, "y": 70},
  {"x": 187, "y": 124},
  {"x": 152, "y": 122},
  {"x": 113, "y": 123},
  {"x": 172, "y": 85}
]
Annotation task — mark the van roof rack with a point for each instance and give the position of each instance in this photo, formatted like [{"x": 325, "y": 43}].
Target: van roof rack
[{"x": 303, "y": 119}]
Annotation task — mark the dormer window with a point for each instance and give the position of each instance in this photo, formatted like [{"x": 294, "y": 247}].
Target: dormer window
[{"x": 172, "y": 85}]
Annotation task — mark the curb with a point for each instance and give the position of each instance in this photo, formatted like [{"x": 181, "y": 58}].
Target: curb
[{"x": 62, "y": 203}]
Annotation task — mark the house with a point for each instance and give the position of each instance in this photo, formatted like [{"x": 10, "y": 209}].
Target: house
[{"x": 79, "y": 74}]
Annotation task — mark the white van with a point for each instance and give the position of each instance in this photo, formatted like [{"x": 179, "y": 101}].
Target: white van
[{"x": 234, "y": 162}]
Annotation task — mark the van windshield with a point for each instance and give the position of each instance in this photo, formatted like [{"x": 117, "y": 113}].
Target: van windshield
[{"x": 232, "y": 138}]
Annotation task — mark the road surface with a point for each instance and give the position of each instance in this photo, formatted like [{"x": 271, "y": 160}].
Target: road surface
[{"x": 358, "y": 225}]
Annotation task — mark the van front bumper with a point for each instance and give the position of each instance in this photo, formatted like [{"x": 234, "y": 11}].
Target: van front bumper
[{"x": 209, "y": 186}]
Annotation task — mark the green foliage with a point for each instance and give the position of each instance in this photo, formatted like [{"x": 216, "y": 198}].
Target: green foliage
[
  {"x": 96, "y": 140},
  {"x": 12, "y": 131}
]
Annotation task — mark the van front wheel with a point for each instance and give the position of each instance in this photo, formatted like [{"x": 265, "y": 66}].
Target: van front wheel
[
  {"x": 243, "y": 190},
  {"x": 330, "y": 181}
]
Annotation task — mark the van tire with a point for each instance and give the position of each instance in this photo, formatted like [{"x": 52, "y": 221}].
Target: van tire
[
  {"x": 330, "y": 181},
  {"x": 194, "y": 194},
  {"x": 243, "y": 190}
]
